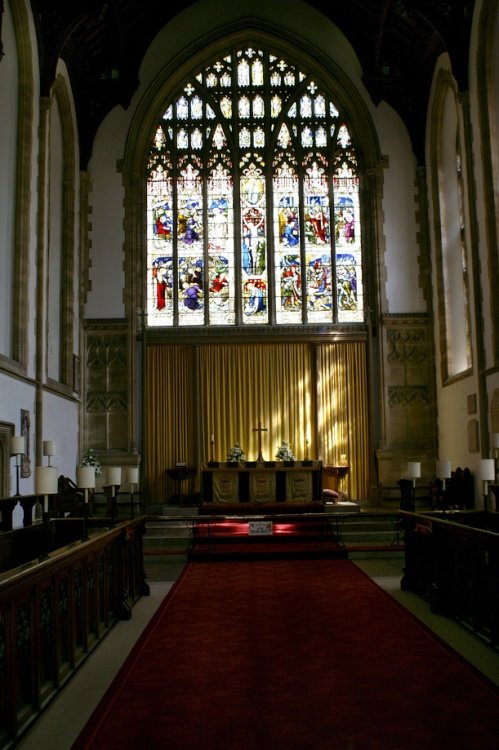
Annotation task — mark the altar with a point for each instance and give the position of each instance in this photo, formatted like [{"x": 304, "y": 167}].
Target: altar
[{"x": 261, "y": 483}]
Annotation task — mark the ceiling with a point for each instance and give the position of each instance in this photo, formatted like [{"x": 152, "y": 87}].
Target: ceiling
[{"x": 397, "y": 42}]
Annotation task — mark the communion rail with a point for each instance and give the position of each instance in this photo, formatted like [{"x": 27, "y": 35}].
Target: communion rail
[{"x": 57, "y": 607}]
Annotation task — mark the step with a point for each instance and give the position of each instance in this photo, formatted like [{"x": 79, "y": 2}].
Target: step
[{"x": 376, "y": 531}]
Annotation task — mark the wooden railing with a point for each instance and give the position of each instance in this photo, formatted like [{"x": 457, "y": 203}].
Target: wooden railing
[
  {"x": 55, "y": 608},
  {"x": 7, "y": 505},
  {"x": 452, "y": 561}
]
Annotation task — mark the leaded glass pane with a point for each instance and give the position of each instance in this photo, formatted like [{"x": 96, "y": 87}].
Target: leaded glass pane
[
  {"x": 288, "y": 270},
  {"x": 160, "y": 267},
  {"x": 219, "y": 139},
  {"x": 243, "y": 73},
  {"x": 258, "y": 107},
  {"x": 190, "y": 247},
  {"x": 244, "y": 107},
  {"x": 226, "y": 107},
  {"x": 221, "y": 271},
  {"x": 317, "y": 245},
  {"x": 254, "y": 280},
  {"x": 258, "y": 138},
  {"x": 347, "y": 229}
]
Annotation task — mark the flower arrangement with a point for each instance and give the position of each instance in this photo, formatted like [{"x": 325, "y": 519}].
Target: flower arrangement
[
  {"x": 90, "y": 459},
  {"x": 236, "y": 453},
  {"x": 284, "y": 452}
]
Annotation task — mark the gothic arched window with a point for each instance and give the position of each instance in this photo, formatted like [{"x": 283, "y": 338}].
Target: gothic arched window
[{"x": 252, "y": 201}]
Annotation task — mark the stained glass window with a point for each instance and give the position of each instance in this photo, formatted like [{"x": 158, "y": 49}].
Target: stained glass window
[{"x": 253, "y": 212}]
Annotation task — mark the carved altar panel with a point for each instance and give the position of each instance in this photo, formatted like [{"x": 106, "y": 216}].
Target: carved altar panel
[
  {"x": 225, "y": 486},
  {"x": 258, "y": 485},
  {"x": 299, "y": 486},
  {"x": 262, "y": 487}
]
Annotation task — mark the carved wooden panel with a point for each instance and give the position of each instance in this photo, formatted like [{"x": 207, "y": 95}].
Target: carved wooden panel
[{"x": 106, "y": 402}]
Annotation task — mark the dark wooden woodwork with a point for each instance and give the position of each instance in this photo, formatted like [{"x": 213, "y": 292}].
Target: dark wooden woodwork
[
  {"x": 452, "y": 561},
  {"x": 54, "y": 610}
]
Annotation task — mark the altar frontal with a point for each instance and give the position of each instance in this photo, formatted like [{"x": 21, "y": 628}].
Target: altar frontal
[{"x": 262, "y": 484}]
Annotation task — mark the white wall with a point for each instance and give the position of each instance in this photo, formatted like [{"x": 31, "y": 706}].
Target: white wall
[
  {"x": 14, "y": 396},
  {"x": 403, "y": 291},
  {"x": 59, "y": 424},
  {"x": 453, "y": 405}
]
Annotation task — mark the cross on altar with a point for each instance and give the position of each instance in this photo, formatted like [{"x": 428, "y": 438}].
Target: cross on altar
[{"x": 260, "y": 429}]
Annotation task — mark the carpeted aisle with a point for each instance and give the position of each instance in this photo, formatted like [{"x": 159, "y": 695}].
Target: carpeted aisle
[{"x": 290, "y": 654}]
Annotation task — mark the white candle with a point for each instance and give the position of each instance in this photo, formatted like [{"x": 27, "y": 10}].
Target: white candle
[{"x": 212, "y": 438}]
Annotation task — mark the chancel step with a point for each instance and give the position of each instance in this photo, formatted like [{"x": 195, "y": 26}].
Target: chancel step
[{"x": 360, "y": 534}]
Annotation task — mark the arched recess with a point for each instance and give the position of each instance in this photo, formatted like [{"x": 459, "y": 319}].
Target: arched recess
[
  {"x": 451, "y": 252},
  {"x": 487, "y": 83},
  {"x": 141, "y": 132},
  {"x": 21, "y": 277},
  {"x": 62, "y": 234}
]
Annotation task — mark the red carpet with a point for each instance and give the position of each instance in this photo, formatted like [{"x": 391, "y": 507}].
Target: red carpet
[{"x": 290, "y": 654}]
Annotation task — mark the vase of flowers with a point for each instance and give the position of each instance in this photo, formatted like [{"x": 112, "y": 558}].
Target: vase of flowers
[
  {"x": 284, "y": 453},
  {"x": 235, "y": 455},
  {"x": 90, "y": 459}
]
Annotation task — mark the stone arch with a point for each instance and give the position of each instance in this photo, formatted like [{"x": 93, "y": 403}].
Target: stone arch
[
  {"x": 60, "y": 97},
  {"x": 328, "y": 74},
  {"x": 446, "y": 96}
]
